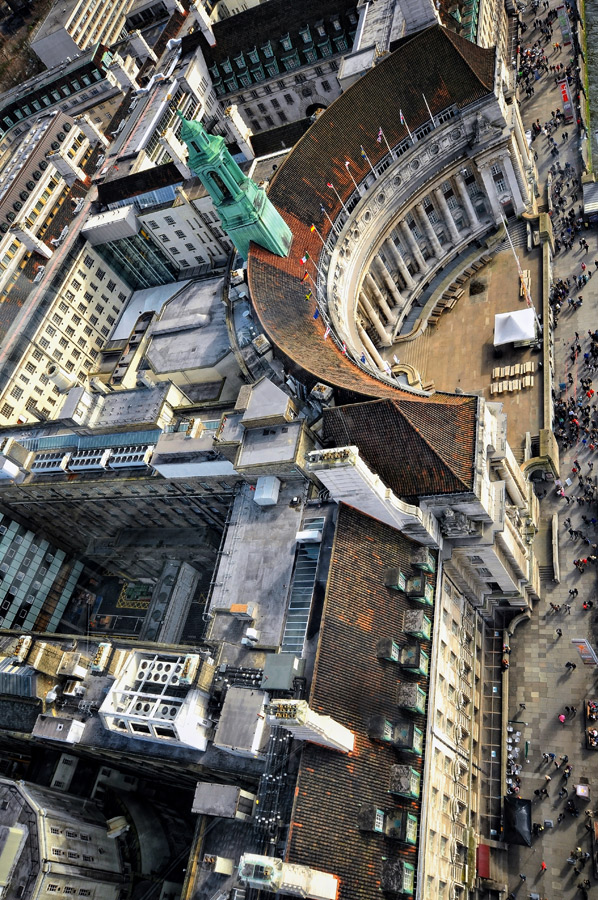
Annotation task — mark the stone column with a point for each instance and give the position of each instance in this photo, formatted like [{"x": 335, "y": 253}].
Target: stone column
[
  {"x": 518, "y": 200},
  {"x": 379, "y": 298},
  {"x": 520, "y": 137},
  {"x": 447, "y": 215},
  {"x": 430, "y": 233},
  {"x": 466, "y": 201},
  {"x": 420, "y": 262},
  {"x": 400, "y": 264},
  {"x": 369, "y": 345},
  {"x": 375, "y": 320},
  {"x": 383, "y": 273},
  {"x": 491, "y": 191}
]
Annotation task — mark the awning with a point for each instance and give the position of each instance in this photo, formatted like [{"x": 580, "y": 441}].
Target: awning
[
  {"x": 518, "y": 821},
  {"x": 590, "y": 198},
  {"x": 519, "y": 325}
]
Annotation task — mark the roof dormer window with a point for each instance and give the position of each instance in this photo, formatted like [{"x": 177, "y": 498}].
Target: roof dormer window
[
  {"x": 305, "y": 34},
  {"x": 320, "y": 30},
  {"x": 267, "y": 50},
  {"x": 286, "y": 41},
  {"x": 253, "y": 55}
]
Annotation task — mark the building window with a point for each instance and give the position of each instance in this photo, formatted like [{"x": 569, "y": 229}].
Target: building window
[
  {"x": 53, "y": 889},
  {"x": 30, "y": 368},
  {"x": 17, "y": 393},
  {"x": 54, "y": 830},
  {"x": 111, "y": 285},
  {"x": 37, "y": 355},
  {"x": 326, "y": 86},
  {"x": 88, "y": 262}
]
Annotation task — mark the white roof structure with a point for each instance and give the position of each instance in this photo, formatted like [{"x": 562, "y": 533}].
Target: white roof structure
[{"x": 519, "y": 325}]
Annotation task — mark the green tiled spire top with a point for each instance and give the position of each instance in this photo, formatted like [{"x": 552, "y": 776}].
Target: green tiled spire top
[{"x": 244, "y": 209}]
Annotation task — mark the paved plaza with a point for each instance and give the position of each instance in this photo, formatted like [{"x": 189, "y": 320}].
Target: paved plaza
[{"x": 538, "y": 676}]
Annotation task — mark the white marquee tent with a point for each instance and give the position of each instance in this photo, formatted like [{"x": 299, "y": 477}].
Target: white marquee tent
[{"x": 519, "y": 325}]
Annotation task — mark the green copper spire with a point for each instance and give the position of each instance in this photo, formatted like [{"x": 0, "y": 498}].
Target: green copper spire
[{"x": 244, "y": 209}]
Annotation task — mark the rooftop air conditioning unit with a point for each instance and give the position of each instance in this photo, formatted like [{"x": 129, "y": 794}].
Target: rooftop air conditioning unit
[{"x": 252, "y": 636}]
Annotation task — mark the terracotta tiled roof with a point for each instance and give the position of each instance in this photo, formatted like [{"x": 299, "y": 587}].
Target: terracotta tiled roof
[
  {"x": 446, "y": 68},
  {"x": 351, "y": 685},
  {"x": 435, "y": 441}
]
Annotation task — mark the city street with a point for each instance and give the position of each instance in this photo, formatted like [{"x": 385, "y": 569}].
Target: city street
[{"x": 538, "y": 675}]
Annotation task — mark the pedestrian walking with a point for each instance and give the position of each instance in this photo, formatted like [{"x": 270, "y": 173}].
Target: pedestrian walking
[
  {"x": 543, "y": 866},
  {"x": 571, "y": 666},
  {"x": 522, "y": 876},
  {"x": 562, "y": 718},
  {"x": 559, "y": 632}
]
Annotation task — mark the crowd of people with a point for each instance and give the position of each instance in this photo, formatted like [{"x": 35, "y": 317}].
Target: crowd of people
[{"x": 543, "y": 64}]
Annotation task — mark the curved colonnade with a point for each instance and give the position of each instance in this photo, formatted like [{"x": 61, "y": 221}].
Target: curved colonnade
[{"x": 388, "y": 223}]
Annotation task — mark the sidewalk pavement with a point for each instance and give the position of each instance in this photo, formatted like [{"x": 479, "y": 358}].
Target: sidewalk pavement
[{"x": 538, "y": 676}]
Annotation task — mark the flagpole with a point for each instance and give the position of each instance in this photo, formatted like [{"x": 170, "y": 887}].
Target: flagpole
[
  {"x": 365, "y": 156},
  {"x": 351, "y": 176},
  {"x": 332, "y": 225},
  {"x": 404, "y": 122},
  {"x": 338, "y": 196},
  {"x": 385, "y": 141},
  {"x": 315, "y": 284},
  {"x": 429, "y": 111},
  {"x": 316, "y": 266},
  {"x": 528, "y": 297},
  {"x": 313, "y": 228}
]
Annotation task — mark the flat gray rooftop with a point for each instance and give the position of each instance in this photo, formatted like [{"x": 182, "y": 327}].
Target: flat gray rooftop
[
  {"x": 58, "y": 16},
  {"x": 256, "y": 566},
  {"x": 191, "y": 331},
  {"x": 276, "y": 444}
]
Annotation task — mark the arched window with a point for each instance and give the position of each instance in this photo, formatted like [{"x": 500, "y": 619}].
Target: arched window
[{"x": 220, "y": 186}]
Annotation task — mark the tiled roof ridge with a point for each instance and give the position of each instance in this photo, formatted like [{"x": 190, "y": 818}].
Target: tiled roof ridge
[
  {"x": 437, "y": 449},
  {"x": 458, "y": 43}
]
